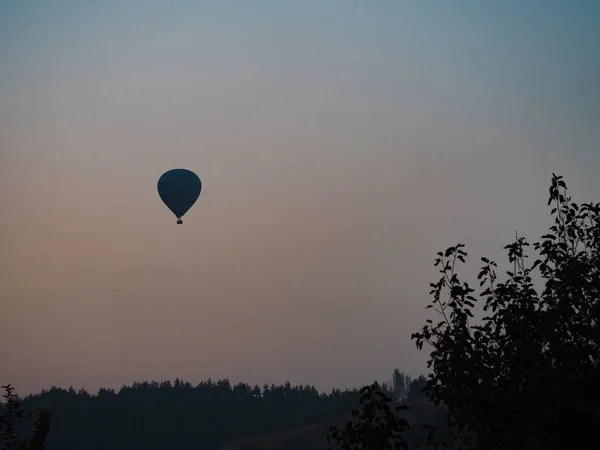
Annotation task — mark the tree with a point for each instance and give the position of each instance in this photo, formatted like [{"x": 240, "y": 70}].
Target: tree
[
  {"x": 527, "y": 375},
  {"x": 401, "y": 383},
  {"x": 11, "y": 422},
  {"x": 416, "y": 387},
  {"x": 374, "y": 426}
]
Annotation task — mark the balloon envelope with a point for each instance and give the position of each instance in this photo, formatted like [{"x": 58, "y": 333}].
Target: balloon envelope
[{"x": 179, "y": 189}]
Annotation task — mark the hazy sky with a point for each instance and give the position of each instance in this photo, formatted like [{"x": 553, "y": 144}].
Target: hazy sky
[{"x": 340, "y": 144}]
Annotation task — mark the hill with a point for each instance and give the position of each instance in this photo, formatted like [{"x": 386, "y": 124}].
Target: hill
[{"x": 314, "y": 437}]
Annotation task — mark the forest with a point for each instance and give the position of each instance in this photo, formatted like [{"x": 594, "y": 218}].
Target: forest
[{"x": 158, "y": 415}]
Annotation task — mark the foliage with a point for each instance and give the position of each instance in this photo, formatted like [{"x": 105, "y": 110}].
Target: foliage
[
  {"x": 374, "y": 427},
  {"x": 12, "y": 422},
  {"x": 527, "y": 375}
]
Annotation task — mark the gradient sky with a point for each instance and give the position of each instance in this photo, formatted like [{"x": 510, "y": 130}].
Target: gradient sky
[{"x": 340, "y": 143}]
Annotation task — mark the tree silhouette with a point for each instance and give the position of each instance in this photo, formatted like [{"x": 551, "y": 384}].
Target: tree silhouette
[
  {"x": 401, "y": 383},
  {"x": 12, "y": 425},
  {"x": 416, "y": 388},
  {"x": 374, "y": 426},
  {"x": 527, "y": 375}
]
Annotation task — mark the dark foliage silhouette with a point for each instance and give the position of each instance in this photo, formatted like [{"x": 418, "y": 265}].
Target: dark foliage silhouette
[
  {"x": 374, "y": 425},
  {"x": 14, "y": 431},
  {"x": 526, "y": 375}
]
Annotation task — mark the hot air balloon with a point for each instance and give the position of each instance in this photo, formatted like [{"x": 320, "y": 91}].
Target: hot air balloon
[{"x": 179, "y": 189}]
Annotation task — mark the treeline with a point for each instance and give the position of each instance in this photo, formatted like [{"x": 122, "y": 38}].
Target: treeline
[{"x": 160, "y": 415}]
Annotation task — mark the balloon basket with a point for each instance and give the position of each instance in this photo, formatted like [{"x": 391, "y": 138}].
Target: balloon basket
[{"x": 179, "y": 221}]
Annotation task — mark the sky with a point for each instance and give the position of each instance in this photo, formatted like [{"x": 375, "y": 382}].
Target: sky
[{"x": 340, "y": 143}]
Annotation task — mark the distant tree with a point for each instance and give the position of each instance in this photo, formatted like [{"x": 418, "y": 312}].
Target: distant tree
[
  {"x": 374, "y": 427},
  {"x": 400, "y": 382},
  {"x": 416, "y": 388},
  {"x": 12, "y": 426},
  {"x": 404, "y": 387},
  {"x": 527, "y": 375}
]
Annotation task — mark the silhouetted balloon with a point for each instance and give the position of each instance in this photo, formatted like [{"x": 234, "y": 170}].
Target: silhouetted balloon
[{"x": 179, "y": 189}]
